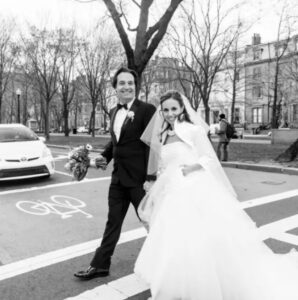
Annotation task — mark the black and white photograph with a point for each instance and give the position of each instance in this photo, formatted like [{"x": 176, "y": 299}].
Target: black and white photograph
[{"x": 148, "y": 150}]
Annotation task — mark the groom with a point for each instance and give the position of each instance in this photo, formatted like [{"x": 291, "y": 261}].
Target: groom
[{"x": 128, "y": 121}]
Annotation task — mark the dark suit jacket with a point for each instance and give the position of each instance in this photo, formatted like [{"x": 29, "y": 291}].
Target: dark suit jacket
[{"x": 130, "y": 154}]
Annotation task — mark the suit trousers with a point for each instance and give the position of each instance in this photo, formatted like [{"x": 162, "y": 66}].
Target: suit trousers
[{"x": 119, "y": 200}]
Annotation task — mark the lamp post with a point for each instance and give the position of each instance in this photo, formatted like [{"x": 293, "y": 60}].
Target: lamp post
[{"x": 19, "y": 92}]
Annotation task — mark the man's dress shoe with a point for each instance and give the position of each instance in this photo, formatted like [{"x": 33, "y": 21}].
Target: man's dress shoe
[{"x": 91, "y": 273}]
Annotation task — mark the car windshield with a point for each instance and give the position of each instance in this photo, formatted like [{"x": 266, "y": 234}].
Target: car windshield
[{"x": 16, "y": 134}]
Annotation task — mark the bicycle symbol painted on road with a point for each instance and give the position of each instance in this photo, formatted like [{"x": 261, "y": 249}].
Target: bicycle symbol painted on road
[{"x": 65, "y": 206}]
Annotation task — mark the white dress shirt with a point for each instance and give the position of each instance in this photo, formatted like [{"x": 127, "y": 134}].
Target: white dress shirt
[{"x": 119, "y": 119}]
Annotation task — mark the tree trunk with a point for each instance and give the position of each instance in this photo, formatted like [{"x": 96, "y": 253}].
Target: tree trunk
[
  {"x": 233, "y": 96},
  {"x": 47, "y": 121},
  {"x": 207, "y": 113},
  {"x": 65, "y": 117},
  {"x": 289, "y": 154},
  {"x": 0, "y": 110},
  {"x": 274, "y": 119}
]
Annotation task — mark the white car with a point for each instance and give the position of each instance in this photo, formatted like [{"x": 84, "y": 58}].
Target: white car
[{"x": 23, "y": 154}]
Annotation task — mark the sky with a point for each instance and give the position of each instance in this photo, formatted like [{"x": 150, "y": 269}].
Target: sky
[
  {"x": 52, "y": 12},
  {"x": 66, "y": 12}
]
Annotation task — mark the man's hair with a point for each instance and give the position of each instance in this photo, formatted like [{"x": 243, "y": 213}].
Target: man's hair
[
  {"x": 124, "y": 70},
  {"x": 222, "y": 116}
]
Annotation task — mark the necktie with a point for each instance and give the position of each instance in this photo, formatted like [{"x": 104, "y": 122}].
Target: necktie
[{"x": 119, "y": 106}]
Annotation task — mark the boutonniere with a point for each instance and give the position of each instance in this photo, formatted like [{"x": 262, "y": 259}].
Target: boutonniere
[{"x": 131, "y": 115}]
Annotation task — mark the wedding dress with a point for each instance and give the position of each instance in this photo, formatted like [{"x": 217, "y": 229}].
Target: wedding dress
[{"x": 201, "y": 244}]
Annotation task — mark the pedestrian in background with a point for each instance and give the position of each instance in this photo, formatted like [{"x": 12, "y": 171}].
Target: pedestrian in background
[{"x": 223, "y": 139}]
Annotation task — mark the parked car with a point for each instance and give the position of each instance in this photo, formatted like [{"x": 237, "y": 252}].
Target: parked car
[
  {"x": 82, "y": 129},
  {"x": 23, "y": 154}
]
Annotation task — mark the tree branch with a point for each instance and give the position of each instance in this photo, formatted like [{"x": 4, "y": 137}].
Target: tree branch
[
  {"x": 160, "y": 28},
  {"x": 126, "y": 20},
  {"x": 123, "y": 36}
]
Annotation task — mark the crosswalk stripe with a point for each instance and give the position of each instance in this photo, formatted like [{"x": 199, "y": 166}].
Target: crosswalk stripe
[
  {"x": 119, "y": 289},
  {"x": 50, "y": 258},
  {"x": 269, "y": 199}
]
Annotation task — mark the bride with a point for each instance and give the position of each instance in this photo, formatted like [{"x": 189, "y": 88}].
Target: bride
[{"x": 201, "y": 245}]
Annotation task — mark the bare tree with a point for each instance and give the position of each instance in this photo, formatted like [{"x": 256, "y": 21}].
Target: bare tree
[
  {"x": 203, "y": 44},
  {"x": 281, "y": 47},
  {"x": 66, "y": 72},
  {"x": 147, "y": 38},
  {"x": 8, "y": 55},
  {"x": 43, "y": 50},
  {"x": 234, "y": 84},
  {"x": 97, "y": 58}
]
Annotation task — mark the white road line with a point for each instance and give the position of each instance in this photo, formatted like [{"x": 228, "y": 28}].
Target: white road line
[
  {"x": 269, "y": 199},
  {"x": 63, "y": 173},
  {"x": 53, "y": 186},
  {"x": 50, "y": 258},
  {"x": 131, "y": 285},
  {"x": 119, "y": 289},
  {"x": 60, "y": 157},
  {"x": 278, "y": 230}
]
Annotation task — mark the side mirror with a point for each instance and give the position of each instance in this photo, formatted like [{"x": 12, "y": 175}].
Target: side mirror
[{"x": 42, "y": 138}]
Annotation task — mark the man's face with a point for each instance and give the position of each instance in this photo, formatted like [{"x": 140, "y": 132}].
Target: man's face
[{"x": 125, "y": 87}]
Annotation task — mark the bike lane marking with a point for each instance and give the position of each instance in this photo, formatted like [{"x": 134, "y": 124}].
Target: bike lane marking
[
  {"x": 62, "y": 205},
  {"x": 53, "y": 257}
]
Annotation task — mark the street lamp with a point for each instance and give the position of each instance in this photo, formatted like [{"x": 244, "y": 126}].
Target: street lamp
[{"x": 19, "y": 92}]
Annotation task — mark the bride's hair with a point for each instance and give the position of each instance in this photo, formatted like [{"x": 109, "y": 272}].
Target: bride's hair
[{"x": 184, "y": 116}]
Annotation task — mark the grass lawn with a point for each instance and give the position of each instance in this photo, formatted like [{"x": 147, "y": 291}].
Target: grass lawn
[
  {"x": 258, "y": 153},
  {"x": 243, "y": 152}
]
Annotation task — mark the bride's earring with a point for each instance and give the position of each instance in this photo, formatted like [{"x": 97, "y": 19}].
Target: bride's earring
[{"x": 181, "y": 117}]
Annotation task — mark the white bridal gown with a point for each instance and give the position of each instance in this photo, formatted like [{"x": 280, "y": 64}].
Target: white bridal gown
[{"x": 202, "y": 245}]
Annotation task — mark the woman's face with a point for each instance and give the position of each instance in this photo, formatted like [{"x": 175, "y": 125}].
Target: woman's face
[{"x": 171, "y": 109}]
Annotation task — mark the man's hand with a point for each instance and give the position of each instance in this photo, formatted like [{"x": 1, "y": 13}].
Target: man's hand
[{"x": 101, "y": 162}]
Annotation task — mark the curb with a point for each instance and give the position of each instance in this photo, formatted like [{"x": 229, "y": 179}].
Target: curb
[{"x": 262, "y": 168}]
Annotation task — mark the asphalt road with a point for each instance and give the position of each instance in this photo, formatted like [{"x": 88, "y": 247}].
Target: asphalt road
[{"x": 50, "y": 228}]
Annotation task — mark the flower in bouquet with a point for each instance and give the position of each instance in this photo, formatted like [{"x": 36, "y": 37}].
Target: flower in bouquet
[{"x": 79, "y": 161}]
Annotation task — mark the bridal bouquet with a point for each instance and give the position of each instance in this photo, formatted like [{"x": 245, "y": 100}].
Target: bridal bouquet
[{"x": 79, "y": 161}]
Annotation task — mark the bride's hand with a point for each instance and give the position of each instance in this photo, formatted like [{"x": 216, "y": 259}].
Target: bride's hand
[
  {"x": 147, "y": 185},
  {"x": 187, "y": 169}
]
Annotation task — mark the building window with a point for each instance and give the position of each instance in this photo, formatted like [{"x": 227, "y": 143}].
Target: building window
[
  {"x": 215, "y": 116},
  {"x": 257, "y": 54},
  {"x": 294, "y": 113},
  {"x": 257, "y": 114},
  {"x": 237, "y": 76},
  {"x": 279, "y": 51},
  {"x": 257, "y": 92},
  {"x": 237, "y": 115},
  {"x": 257, "y": 74}
]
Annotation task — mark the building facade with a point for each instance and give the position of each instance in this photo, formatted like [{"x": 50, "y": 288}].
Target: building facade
[{"x": 271, "y": 68}]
